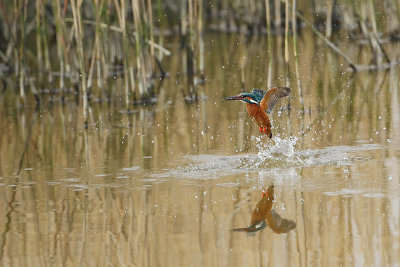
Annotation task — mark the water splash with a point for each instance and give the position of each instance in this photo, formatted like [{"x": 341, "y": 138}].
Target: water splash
[
  {"x": 278, "y": 159},
  {"x": 277, "y": 153},
  {"x": 281, "y": 147}
]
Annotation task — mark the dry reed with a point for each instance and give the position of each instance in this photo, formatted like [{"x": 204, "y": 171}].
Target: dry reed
[
  {"x": 132, "y": 54},
  {"x": 76, "y": 11}
]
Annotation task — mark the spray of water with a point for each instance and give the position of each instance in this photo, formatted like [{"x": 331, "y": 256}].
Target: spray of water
[{"x": 282, "y": 147}]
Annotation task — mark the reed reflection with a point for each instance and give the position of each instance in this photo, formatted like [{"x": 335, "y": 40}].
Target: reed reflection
[{"x": 263, "y": 215}]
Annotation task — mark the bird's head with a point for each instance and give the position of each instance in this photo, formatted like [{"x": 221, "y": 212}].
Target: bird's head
[{"x": 245, "y": 97}]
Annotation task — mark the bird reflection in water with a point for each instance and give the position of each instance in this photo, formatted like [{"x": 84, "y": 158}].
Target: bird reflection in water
[{"x": 263, "y": 215}]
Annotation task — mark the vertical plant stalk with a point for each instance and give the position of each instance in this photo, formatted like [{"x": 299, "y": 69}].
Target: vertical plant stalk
[
  {"x": 368, "y": 34},
  {"x": 105, "y": 41},
  {"x": 13, "y": 43},
  {"x": 122, "y": 23},
  {"x": 129, "y": 68},
  {"x": 269, "y": 42},
  {"x": 375, "y": 46},
  {"x": 286, "y": 31},
  {"x": 161, "y": 20},
  {"x": 38, "y": 38},
  {"x": 120, "y": 6},
  {"x": 375, "y": 34},
  {"x": 287, "y": 67},
  {"x": 76, "y": 13},
  {"x": 141, "y": 63},
  {"x": 138, "y": 46},
  {"x": 329, "y": 19},
  {"x": 183, "y": 18},
  {"x": 242, "y": 62},
  {"x": 21, "y": 54},
  {"x": 94, "y": 50},
  {"x": 296, "y": 55},
  {"x": 43, "y": 34},
  {"x": 99, "y": 77},
  {"x": 22, "y": 98},
  {"x": 151, "y": 34},
  {"x": 397, "y": 12},
  {"x": 200, "y": 34},
  {"x": 92, "y": 61},
  {"x": 95, "y": 58},
  {"x": 190, "y": 47},
  {"x": 278, "y": 19},
  {"x": 60, "y": 46},
  {"x": 148, "y": 39}
]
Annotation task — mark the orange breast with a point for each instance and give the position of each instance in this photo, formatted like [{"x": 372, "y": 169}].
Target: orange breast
[{"x": 258, "y": 114}]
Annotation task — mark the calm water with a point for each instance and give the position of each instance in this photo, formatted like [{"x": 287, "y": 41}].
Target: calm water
[{"x": 164, "y": 186}]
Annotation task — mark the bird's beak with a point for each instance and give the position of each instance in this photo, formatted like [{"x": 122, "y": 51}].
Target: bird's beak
[{"x": 235, "y": 97}]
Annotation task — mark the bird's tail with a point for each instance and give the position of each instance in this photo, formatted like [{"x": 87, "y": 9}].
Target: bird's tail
[{"x": 252, "y": 228}]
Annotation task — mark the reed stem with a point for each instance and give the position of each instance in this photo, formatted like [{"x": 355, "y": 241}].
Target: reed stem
[
  {"x": 21, "y": 53},
  {"x": 38, "y": 37},
  {"x": 296, "y": 55},
  {"x": 200, "y": 34},
  {"x": 329, "y": 19},
  {"x": 278, "y": 19},
  {"x": 60, "y": 46},
  {"x": 269, "y": 41},
  {"x": 286, "y": 31},
  {"x": 76, "y": 12}
]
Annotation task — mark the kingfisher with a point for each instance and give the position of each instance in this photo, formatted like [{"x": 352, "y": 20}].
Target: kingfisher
[
  {"x": 259, "y": 103},
  {"x": 264, "y": 215}
]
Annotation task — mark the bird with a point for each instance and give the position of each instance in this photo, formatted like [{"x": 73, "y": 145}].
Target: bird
[
  {"x": 263, "y": 215},
  {"x": 259, "y": 103},
  {"x": 260, "y": 213}
]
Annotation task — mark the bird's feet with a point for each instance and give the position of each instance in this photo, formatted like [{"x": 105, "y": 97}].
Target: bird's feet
[{"x": 264, "y": 130}]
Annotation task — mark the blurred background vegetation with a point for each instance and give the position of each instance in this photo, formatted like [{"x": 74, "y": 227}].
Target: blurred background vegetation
[
  {"x": 161, "y": 176},
  {"x": 73, "y": 49}
]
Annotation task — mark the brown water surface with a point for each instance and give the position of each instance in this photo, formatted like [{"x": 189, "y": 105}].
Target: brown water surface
[{"x": 164, "y": 185}]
